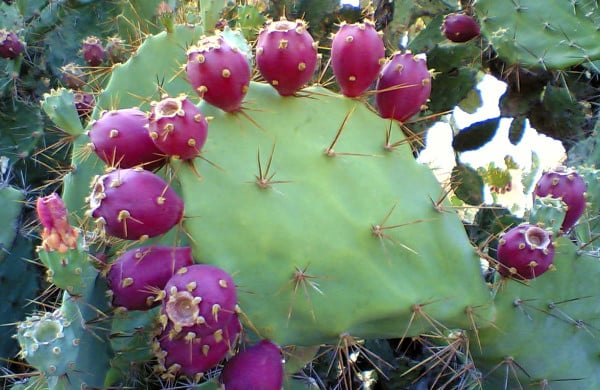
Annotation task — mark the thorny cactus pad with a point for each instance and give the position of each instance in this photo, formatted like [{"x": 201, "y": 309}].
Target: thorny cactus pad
[
  {"x": 48, "y": 342},
  {"x": 218, "y": 72},
  {"x": 120, "y": 138},
  {"x": 137, "y": 277},
  {"x": 403, "y": 86},
  {"x": 357, "y": 54},
  {"x": 133, "y": 204},
  {"x": 567, "y": 185},
  {"x": 525, "y": 252},
  {"x": 177, "y": 127},
  {"x": 286, "y": 55}
]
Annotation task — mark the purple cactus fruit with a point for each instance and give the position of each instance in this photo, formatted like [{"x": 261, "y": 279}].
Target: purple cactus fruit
[
  {"x": 115, "y": 50},
  {"x": 84, "y": 103},
  {"x": 357, "y": 54},
  {"x": 218, "y": 72},
  {"x": 259, "y": 367},
  {"x": 460, "y": 28},
  {"x": 92, "y": 51},
  {"x": 525, "y": 252},
  {"x": 286, "y": 55},
  {"x": 10, "y": 44},
  {"x": 120, "y": 138},
  {"x": 190, "y": 354},
  {"x": 403, "y": 87},
  {"x": 201, "y": 296},
  {"x": 73, "y": 76},
  {"x": 178, "y": 127},
  {"x": 567, "y": 185},
  {"x": 134, "y": 204},
  {"x": 139, "y": 275}
]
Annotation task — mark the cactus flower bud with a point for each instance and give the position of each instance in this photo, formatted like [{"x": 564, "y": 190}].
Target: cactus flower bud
[{"x": 57, "y": 234}]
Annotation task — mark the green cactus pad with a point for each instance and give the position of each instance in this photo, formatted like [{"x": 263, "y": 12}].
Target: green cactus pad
[
  {"x": 70, "y": 271},
  {"x": 549, "y": 34},
  {"x": 548, "y": 213},
  {"x": 546, "y": 330},
  {"x": 49, "y": 342},
  {"x": 328, "y": 235},
  {"x": 11, "y": 203},
  {"x": 59, "y": 105}
]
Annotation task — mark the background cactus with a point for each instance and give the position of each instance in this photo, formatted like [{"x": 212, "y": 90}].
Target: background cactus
[{"x": 344, "y": 250}]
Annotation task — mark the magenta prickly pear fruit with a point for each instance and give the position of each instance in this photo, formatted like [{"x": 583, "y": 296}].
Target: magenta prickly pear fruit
[
  {"x": 72, "y": 76},
  {"x": 460, "y": 28},
  {"x": 115, "y": 50},
  {"x": 201, "y": 296},
  {"x": 120, "y": 138},
  {"x": 84, "y": 103},
  {"x": 190, "y": 354},
  {"x": 525, "y": 252},
  {"x": 259, "y": 367},
  {"x": 137, "y": 277},
  {"x": 567, "y": 185},
  {"x": 286, "y": 55},
  {"x": 134, "y": 204},
  {"x": 92, "y": 51},
  {"x": 10, "y": 44},
  {"x": 357, "y": 54},
  {"x": 403, "y": 87},
  {"x": 218, "y": 72},
  {"x": 178, "y": 127}
]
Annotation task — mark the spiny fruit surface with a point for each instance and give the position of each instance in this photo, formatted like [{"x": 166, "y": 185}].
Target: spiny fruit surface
[
  {"x": 191, "y": 353},
  {"x": 134, "y": 203},
  {"x": 460, "y": 28},
  {"x": 177, "y": 127},
  {"x": 120, "y": 138},
  {"x": 258, "y": 367},
  {"x": 525, "y": 252},
  {"x": 218, "y": 72},
  {"x": 403, "y": 86},
  {"x": 10, "y": 44},
  {"x": 567, "y": 185},
  {"x": 92, "y": 51},
  {"x": 137, "y": 276},
  {"x": 286, "y": 55},
  {"x": 357, "y": 54},
  {"x": 202, "y": 296}
]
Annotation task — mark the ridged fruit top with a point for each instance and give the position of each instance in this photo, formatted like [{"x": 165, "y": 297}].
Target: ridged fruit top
[
  {"x": 218, "y": 72},
  {"x": 286, "y": 55},
  {"x": 404, "y": 85},
  {"x": 177, "y": 127},
  {"x": 357, "y": 54},
  {"x": 525, "y": 252}
]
